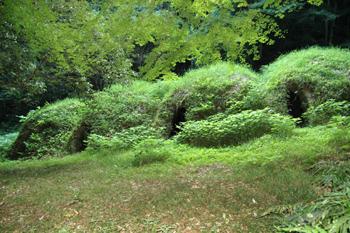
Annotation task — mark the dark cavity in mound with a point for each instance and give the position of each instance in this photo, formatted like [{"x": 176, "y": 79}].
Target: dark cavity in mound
[
  {"x": 182, "y": 67},
  {"x": 297, "y": 104},
  {"x": 178, "y": 118},
  {"x": 78, "y": 141}
]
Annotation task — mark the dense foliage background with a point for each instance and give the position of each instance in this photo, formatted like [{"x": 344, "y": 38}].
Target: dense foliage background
[
  {"x": 202, "y": 115},
  {"x": 55, "y": 49}
]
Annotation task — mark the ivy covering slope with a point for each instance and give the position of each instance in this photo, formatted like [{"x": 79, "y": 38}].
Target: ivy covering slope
[
  {"x": 312, "y": 76},
  {"x": 47, "y": 131},
  {"x": 143, "y": 108},
  {"x": 126, "y": 114}
]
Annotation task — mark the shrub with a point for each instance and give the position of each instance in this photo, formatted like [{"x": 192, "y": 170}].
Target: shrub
[
  {"x": 122, "y": 140},
  {"x": 340, "y": 121},
  {"x": 6, "y": 141},
  {"x": 311, "y": 76},
  {"x": 331, "y": 212},
  {"x": 322, "y": 113},
  {"x": 151, "y": 151},
  {"x": 46, "y": 131},
  {"x": 340, "y": 138},
  {"x": 332, "y": 174},
  {"x": 225, "y": 130}
]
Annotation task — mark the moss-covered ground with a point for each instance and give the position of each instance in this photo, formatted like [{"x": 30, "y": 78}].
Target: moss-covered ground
[{"x": 194, "y": 190}]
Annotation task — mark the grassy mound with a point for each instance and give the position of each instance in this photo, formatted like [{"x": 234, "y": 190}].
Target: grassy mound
[
  {"x": 234, "y": 129},
  {"x": 47, "y": 131},
  {"x": 6, "y": 140},
  {"x": 305, "y": 78},
  {"x": 205, "y": 92},
  {"x": 125, "y": 114}
]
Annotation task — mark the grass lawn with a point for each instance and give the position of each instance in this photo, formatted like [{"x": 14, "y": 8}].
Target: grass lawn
[{"x": 195, "y": 190}]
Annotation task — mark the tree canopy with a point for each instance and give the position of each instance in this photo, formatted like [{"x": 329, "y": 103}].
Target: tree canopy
[{"x": 56, "y": 49}]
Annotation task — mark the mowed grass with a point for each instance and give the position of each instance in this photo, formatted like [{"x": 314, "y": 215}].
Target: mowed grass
[{"x": 196, "y": 190}]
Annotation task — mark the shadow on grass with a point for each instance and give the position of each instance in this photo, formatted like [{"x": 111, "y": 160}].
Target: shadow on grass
[
  {"x": 84, "y": 161},
  {"x": 42, "y": 171}
]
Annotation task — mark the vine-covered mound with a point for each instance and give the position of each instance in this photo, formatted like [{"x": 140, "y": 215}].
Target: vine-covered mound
[
  {"x": 205, "y": 92},
  {"x": 305, "y": 78},
  {"x": 126, "y": 114},
  {"x": 47, "y": 130},
  {"x": 123, "y": 114}
]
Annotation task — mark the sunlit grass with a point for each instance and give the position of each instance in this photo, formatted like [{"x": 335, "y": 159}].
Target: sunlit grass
[{"x": 200, "y": 189}]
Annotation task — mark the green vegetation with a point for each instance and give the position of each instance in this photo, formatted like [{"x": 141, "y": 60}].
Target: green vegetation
[
  {"x": 51, "y": 50},
  {"x": 187, "y": 188},
  {"x": 124, "y": 107},
  {"x": 6, "y": 140},
  {"x": 170, "y": 116},
  {"x": 235, "y": 129},
  {"x": 47, "y": 131},
  {"x": 323, "y": 113},
  {"x": 124, "y": 140},
  {"x": 203, "y": 145},
  {"x": 331, "y": 212},
  {"x": 306, "y": 78},
  {"x": 205, "y": 92},
  {"x": 205, "y": 104},
  {"x": 123, "y": 115},
  {"x": 151, "y": 151}
]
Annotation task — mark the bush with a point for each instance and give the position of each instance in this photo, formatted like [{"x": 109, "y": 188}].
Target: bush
[
  {"x": 331, "y": 212},
  {"x": 313, "y": 75},
  {"x": 6, "y": 141},
  {"x": 47, "y": 131},
  {"x": 151, "y": 151},
  {"x": 324, "y": 112},
  {"x": 123, "y": 140},
  {"x": 341, "y": 133},
  {"x": 225, "y": 130}
]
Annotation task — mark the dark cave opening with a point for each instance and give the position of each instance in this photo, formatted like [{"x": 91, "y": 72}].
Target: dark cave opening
[
  {"x": 79, "y": 138},
  {"x": 296, "y": 105},
  {"x": 178, "y": 118},
  {"x": 182, "y": 67}
]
